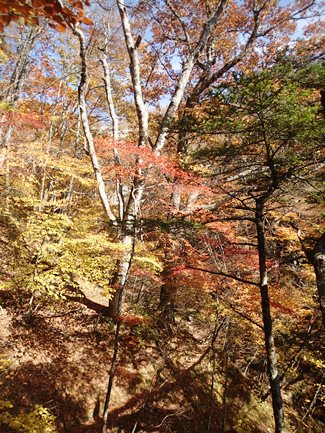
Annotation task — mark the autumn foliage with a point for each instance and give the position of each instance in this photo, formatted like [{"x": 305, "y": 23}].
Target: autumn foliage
[
  {"x": 31, "y": 11},
  {"x": 161, "y": 219}
]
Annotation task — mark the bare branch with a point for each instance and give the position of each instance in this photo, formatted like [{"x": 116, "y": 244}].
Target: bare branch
[{"x": 223, "y": 274}]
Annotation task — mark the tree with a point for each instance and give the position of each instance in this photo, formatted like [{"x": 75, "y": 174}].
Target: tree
[
  {"x": 262, "y": 24},
  {"x": 275, "y": 129}
]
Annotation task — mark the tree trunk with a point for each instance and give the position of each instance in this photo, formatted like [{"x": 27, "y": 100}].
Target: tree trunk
[
  {"x": 115, "y": 130},
  {"x": 274, "y": 378},
  {"x": 318, "y": 260},
  {"x": 168, "y": 289},
  {"x": 138, "y": 186},
  {"x": 167, "y": 304},
  {"x": 111, "y": 376},
  {"x": 85, "y": 124},
  {"x": 132, "y": 47},
  {"x": 119, "y": 279}
]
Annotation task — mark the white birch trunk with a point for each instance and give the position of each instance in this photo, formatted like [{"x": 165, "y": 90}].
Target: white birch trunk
[
  {"x": 109, "y": 96},
  {"x": 85, "y": 124},
  {"x": 115, "y": 128},
  {"x": 191, "y": 199},
  {"x": 142, "y": 111}
]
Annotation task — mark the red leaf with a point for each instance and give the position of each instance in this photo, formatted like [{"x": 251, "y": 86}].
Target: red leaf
[{"x": 37, "y": 3}]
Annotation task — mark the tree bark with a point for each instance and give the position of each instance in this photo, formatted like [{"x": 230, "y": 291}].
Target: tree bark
[
  {"x": 119, "y": 279},
  {"x": 132, "y": 47},
  {"x": 115, "y": 128},
  {"x": 111, "y": 377},
  {"x": 274, "y": 378},
  {"x": 109, "y": 97},
  {"x": 318, "y": 261}
]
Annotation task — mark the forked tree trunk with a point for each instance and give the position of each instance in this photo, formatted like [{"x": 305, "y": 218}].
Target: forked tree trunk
[
  {"x": 124, "y": 228},
  {"x": 86, "y": 127},
  {"x": 274, "y": 378}
]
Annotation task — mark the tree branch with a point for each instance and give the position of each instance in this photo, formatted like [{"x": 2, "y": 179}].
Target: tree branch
[{"x": 223, "y": 274}]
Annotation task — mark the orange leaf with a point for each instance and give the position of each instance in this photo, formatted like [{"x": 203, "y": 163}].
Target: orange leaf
[
  {"x": 87, "y": 21},
  {"x": 60, "y": 28}
]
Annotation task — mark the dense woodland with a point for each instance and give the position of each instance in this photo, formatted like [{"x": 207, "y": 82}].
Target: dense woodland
[{"x": 162, "y": 262}]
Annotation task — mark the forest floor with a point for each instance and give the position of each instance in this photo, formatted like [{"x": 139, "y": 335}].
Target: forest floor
[{"x": 163, "y": 383}]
